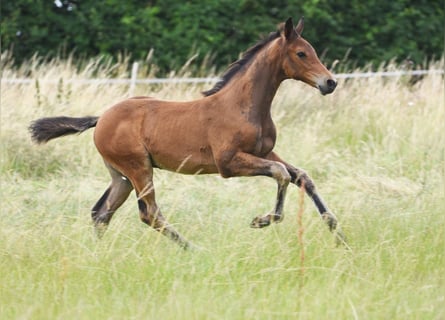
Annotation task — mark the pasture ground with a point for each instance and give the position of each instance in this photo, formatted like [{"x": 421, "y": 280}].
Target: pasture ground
[{"x": 375, "y": 148}]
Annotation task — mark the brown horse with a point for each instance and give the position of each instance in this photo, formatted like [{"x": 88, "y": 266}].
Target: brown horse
[{"x": 229, "y": 131}]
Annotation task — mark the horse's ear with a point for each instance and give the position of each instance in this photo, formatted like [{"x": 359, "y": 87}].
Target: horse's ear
[
  {"x": 289, "y": 31},
  {"x": 300, "y": 26}
]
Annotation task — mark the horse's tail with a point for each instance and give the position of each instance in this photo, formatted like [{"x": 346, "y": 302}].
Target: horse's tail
[{"x": 44, "y": 129}]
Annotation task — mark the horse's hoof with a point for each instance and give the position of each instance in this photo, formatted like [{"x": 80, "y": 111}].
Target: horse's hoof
[
  {"x": 99, "y": 229},
  {"x": 192, "y": 247},
  {"x": 260, "y": 222},
  {"x": 330, "y": 220},
  {"x": 332, "y": 223},
  {"x": 340, "y": 238},
  {"x": 264, "y": 221}
]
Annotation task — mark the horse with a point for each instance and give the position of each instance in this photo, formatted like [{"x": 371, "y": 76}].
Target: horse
[{"x": 229, "y": 131}]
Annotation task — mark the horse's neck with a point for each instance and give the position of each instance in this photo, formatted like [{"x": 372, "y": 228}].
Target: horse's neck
[{"x": 256, "y": 87}]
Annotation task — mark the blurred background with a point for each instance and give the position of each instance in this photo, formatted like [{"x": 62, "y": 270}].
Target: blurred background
[{"x": 168, "y": 33}]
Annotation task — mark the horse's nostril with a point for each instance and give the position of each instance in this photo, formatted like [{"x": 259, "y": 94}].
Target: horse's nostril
[{"x": 331, "y": 84}]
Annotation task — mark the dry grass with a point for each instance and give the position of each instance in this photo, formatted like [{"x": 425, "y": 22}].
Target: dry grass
[{"x": 375, "y": 148}]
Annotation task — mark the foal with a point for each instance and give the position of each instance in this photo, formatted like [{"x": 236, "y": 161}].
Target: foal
[{"x": 229, "y": 131}]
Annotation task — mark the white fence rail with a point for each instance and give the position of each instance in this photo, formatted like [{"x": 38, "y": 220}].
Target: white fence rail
[
  {"x": 387, "y": 74},
  {"x": 133, "y": 80}
]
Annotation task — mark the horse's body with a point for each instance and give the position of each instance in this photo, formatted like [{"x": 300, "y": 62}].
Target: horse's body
[{"x": 230, "y": 131}]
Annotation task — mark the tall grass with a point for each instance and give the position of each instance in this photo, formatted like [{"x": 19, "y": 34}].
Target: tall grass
[{"x": 375, "y": 149}]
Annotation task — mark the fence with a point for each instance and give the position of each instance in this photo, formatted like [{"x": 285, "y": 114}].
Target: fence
[{"x": 133, "y": 80}]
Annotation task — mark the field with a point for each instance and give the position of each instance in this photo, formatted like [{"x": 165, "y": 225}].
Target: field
[{"x": 375, "y": 148}]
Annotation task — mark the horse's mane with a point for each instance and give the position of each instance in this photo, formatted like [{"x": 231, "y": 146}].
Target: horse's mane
[{"x": 236, "y": 66}]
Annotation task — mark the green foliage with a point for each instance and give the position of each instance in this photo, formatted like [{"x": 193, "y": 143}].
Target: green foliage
[{"x": 374, "y": 30}]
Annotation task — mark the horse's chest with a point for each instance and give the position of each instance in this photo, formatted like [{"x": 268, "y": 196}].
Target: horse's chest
[
  {"x": 264, "y": 144},
  {"x": 261, "y": 140}
]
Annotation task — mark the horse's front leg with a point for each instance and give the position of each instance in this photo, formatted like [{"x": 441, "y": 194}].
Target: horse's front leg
[
  {"x": 244, "y": 164},
  {"x": 300, "y": 177}
]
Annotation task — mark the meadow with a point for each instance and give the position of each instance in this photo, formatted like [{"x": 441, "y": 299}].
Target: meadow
[{"x": 375, "y": 149}]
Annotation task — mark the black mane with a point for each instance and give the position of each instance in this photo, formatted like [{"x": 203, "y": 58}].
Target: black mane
[{"x": 236, "y": 66}]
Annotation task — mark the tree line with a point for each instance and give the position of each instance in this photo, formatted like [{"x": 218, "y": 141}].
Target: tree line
[{"x": 358, "y": 31}]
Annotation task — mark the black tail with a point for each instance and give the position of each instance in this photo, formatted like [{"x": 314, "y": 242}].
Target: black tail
[{"x": 44, "y": 129}]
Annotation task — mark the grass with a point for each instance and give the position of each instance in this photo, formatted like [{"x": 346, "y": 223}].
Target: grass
[{"x": 375, "y": 149}]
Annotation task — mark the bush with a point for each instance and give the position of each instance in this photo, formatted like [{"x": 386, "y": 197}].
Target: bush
[{"x": 371, "y": 31}]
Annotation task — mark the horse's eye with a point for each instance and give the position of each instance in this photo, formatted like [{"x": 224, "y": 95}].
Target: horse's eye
[{"x": 301, "y": 54}]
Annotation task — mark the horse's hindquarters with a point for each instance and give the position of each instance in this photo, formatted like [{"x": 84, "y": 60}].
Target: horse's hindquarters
[{"x": 169, "y": 135}]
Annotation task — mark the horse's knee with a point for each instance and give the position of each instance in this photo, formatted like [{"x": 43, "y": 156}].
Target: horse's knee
[
  {"x": 280, "y": 173},
  {"x": 302, "y": 178}
]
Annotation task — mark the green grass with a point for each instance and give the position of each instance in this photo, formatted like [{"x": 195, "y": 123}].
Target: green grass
[{"x": 375, "y": 148}]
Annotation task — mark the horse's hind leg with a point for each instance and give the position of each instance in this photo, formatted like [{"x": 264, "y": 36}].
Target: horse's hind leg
[
  {"x": 151, "y": 215},
  {"x": 142, "y": 180},
  {"x": 111, "y": 200}
]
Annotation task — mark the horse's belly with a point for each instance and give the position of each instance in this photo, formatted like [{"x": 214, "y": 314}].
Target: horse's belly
[
  {"x": 180, "y": 151},
  {"x": 184, "y": 161}
]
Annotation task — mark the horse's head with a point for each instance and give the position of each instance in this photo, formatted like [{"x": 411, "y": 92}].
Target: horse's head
[{"x": 301, "y": 61}]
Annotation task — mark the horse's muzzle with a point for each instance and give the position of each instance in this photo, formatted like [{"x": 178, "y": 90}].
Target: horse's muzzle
[{"x": 327, "y": 86}]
